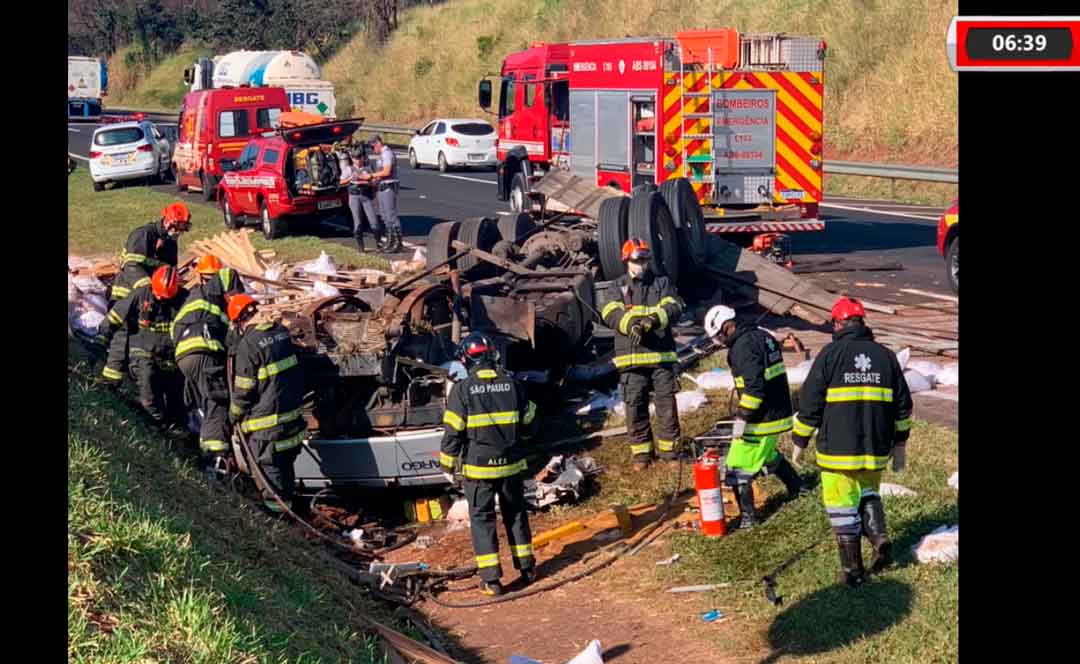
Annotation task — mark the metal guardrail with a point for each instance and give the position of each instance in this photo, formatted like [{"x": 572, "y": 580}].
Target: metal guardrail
[{"x": 893, "y": 171}]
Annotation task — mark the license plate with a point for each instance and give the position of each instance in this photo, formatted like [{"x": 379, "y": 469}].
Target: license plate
[
  {"x": 327, "y": 205},
  {"x": 476, "y": 157}
]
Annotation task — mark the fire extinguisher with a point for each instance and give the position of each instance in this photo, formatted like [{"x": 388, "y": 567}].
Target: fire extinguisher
[{"x": 710, "y": 501}]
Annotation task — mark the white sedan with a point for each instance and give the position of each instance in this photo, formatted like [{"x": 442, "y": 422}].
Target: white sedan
[
  {"x": 449, "y": 143},
  {"x": 127, "y": 151}
]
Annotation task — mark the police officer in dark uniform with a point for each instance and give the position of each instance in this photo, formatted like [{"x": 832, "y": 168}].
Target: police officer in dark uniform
[
  {"x": 857, "y": 400},
  {"x": 485, "y": 417}
]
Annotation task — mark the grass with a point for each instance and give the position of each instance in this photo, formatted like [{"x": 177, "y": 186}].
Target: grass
[
  {"x": 161, "y": 89},
  {"x": 162, "y": 568},
  {"x": 99, "y": 223}
]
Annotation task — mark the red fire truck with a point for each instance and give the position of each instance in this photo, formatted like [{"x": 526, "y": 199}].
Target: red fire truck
[{"x": 740, "y": 116}]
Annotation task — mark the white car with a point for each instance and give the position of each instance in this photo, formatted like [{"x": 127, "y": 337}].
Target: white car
[
  {"x": 449, "y": 143},
  {"x": 127, "y": 151}
]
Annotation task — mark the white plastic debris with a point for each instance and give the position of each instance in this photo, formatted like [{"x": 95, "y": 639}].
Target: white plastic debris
[
  {"x": 954, "y": 481},
  {"x": 949, "y": 375},
  {"x": 797, "y": 375},
  {"x": 459, "y": 511},
  {"x": 592, "y": 654},
  {"x": 903, "y": 356},
  {"x": 87, "y": 322},
  {"x": 928, "y": 369},
  {"x": 714, "y": 379},
  {"x": 87, "y": 284},
  {"x": 669, "y": 561},
  {"x": 600, "y": 403},
  {"x": 688, "y": 401},
  {"x": 321, "y": 265},
  {"x": 888, "y": 489},
  {"x": 457, "y": 370},
  {"x": 917, "y": 382},
  {"x": 940, "y": 546},
  {"x": 324, "y": 289},
  {"x": 274, "y": 272},
  {"x": 356, "y": 535},
  {"x": 73, "y": 290}
]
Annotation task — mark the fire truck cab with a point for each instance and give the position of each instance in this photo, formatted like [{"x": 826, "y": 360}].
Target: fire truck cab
[{"x": 740, "y": 116}]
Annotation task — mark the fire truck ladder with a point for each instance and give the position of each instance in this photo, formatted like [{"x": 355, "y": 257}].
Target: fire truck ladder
[{"x": 687, "y": 160}]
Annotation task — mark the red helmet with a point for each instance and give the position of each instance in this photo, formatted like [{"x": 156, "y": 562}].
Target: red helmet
[
  {"x": 635, "y": 249},
  {"x": 846, "y": 308},
  {"x": 165, "y": 283},
  {"x": 237, "y": 305},
  {"x": 176, "y": 214}
]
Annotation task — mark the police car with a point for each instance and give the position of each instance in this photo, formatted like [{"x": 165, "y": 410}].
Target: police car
[{"x": 130, "y": 150}]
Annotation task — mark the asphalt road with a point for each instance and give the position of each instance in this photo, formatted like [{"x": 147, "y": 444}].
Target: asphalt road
[{"x": 864, "y": 232}]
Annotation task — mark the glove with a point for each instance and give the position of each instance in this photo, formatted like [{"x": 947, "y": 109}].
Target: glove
[
  {"x": 635, "y": 334},
  {"x": 738, "y": 430},
  {"x": 646, "y": 323},
  {"x": 899, "y": 459},
  {"x": 655, "y": 320},
  {"x": 795, "y": 454}
]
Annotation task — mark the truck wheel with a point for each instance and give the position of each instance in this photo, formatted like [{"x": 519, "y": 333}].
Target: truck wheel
[
  {"x": 176, "y": 179},
  {"x": 650, "y": 220},
  {"x": 481, "y": 233},
  {"x": 231, "y": 221},
  {"x": 99, "y": 186},
  {"x": 413, "y": 164},
  {"x": 512, "y": 228},
  {"x": 438, "y": 243},
  {"x": 518, "y": 186},
  {"x": 952, "y": 264},
  {"x": 271, "y": 228},
  {"x": 612, "y": 235},
  {"x": 685, "y": 211},
  {"x": 207, "y": 187},
  {"x": 443, "y": 166}
]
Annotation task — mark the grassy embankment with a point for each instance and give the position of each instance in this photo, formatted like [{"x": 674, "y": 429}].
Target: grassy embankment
[{"x": 161, "y": 89}]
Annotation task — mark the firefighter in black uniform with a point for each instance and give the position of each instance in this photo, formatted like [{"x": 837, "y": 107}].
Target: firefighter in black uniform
[
  {"x": 199, "y": 332},
  {"x": 147, "y": 315},
  {"x": 645, "y": 353},
  {"x": 763, "y": 413},
  {"x": 147, "y": 248},
  {"x": 267, "y": 397},
  {"x": 857, "y": 399},
  {"x": 485, "y": 415}
]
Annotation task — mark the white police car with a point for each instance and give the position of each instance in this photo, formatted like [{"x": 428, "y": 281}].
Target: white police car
[{"x": 127, "y": 151}]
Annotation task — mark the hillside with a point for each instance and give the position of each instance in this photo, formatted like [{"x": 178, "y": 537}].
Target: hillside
[{"x": 160, "y": 89}]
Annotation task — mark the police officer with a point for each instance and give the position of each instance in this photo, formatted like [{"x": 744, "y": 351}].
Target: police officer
[
  {"x": 856, "y": 398},
  {"x": 763, "y": 413},
  {"x": 147, "y": 248},
  {"x": 267, "y": 395},
  {"x": 361, "y": 198},
  {"x": 385, "y": 183},
  {"x": 645, "y": 352},
  {"x": 485, "y": 416}
]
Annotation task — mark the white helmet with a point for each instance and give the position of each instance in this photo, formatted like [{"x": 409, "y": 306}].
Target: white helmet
[{"x": 716, "y": 318}]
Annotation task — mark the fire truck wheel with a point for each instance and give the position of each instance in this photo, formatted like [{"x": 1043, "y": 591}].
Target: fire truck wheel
[
  {"x": 207, "y": 187},
  {"x": 231, "y": 221},
  {"x": 512, "y": 228},
  {"x": 952, "y": 264},
  {"x": 612, "y": 235},
  {"x": 413, "y": 164},
  {"x": 481, "y": 233},
  {"x": 438, "y": 242},
  {"x": 443, "y": 166},
  {"x": 518, "y": 187},
  {"x": 271, "y": 228},
  {"x": 99, "y": 186},
  {"x": 689, "y": 221},
  {"x": 650, "y": 220}
]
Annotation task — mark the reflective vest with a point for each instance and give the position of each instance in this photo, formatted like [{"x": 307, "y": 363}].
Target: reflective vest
[
  {"x": 147, "y": 320},
  {"x": 757, "y": 365},
  {"x": 267, "y": 389},
  {"x": 640, "y": 298}
]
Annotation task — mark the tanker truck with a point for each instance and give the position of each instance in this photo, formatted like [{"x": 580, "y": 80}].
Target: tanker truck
[
  {"x": 295, "y": 71},
  {"x": 87, "y": 84}
]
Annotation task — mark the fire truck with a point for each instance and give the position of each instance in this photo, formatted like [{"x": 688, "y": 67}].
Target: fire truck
[{"x": 739, "y": 116}]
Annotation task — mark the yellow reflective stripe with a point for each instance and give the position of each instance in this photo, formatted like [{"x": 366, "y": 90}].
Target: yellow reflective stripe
[
  {"x": 522, "y": 550},
  {"x": 644, "y": 359},
  {"x": 212, "y": 445},
  {"x": 853, "y": 462},
  {"x": 766, "y": 428},
  {"x": 749, "y": 402},
  {"x": 492, "y": 419},
  {"x": 487, "y": 560},
  {"x": 904, "y": 424},
  {"x": 609, "y": 307},
  {"x": 140, "y": 282},
  {"x": 530, "y": 413},
  {"x": 244, "y": 383},
  {"x": 662, "y": 315},
  {"x": 236, "y": 409},
  {"x": 201, "y": 305},
  {"x": 486, "y": 373},
  {"x": 739, "y": 382},
  {"x": 198, "y": 342},
  {"x": 288, "y": 443},
  {"x": 120, "y": 292},
  {"x": 802, "y": 429},
  {"x": 111, "y": 374},
  {"x": 493, "y": 472},
  {"x": 667, "y": 300},
  {"x": 665, "y": 445},
  {"x": 641, "y": 448},
  {"x": 774, "y": 371},
  {"x": 114, "y": 317},
  {"x": 447, "y": 460},
  {"x": 454, "y": 420},
  {"x": 133, "y": 258},
  {"x": 274, "y": 368},
  {"x": 862, "y": 393},
  {"x": 260, "y": 423},
  {"x": 226, "y": 276}
]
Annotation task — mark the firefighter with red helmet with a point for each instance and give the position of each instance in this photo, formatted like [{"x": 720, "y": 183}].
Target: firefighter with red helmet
[
  {"x": 267, "y": 396},
  {"x": 199, "y": 332},
  {"x": 486, "y": 415},
  {"x": 645, "y": 308},
  {"x": 856, "y": 398},
  {"x": 147, "y": 315},
  {"x": 147, "y": 248},
  {"x": 763, "y": 413}
]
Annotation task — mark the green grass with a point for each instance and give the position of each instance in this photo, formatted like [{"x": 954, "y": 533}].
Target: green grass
[
  {"x": 99, "y": 223},
  {"x": 162, "y": 568},
  {"x": 160, "y": 89}
]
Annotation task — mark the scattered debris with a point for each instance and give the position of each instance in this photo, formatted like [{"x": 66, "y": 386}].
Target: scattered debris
[
  {"x": 869, "y": 284},
  {"x": 563, "y": 479},
  {"x": 917, "y": 382},
  {"x": 601, "y": 403},
  {"x": 699, "y": 589},
  {"x": 954, "y": 480},
  {"x": 949, "y": 375},
  {"x": 669, "y": 561},
  {"x": 458, "y": 512},
  {"x": 712, "y": 616},
  {"x": 609, "y": 535},
  {"x": 714, "y": 379},
  {"x": 415, "y": 264},
  {"x": 424, "y": 542},
  {"x": 322, "y": 265},
  {"x": 888, "y": 489},
  {"x": 686, "y": 401},
  {"x": 797, "y": 374},
  {"x": 928, "y": 369},
  {"x": 940, "y": 546},
  {"x": 592, "y": 654}
]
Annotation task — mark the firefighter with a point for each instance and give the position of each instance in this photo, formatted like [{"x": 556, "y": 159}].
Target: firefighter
[
  {"x": 147, "y": 248},
  {"x": 856, "y": 398},
  {"x": 385, "y": 183},
  {"x": 763, "y": 413},
  {"x": 486, "y": 413},
  {"x": 645, "y": 353},
  {"x": 199, "y": 332},
  {"x": 267, "y": 395},
  {"x": 146, "y": 315}
]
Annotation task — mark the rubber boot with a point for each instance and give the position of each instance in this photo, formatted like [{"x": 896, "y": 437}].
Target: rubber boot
[
  {"x": 395, "y": 241},
  {"x": 490, "y": 588},
  {"x": 873, "y": 525},
  {"x": 528, "y": 576},
  {"x": 744, "y": 494},
  {"x": 787, "y": 474},
  {"x": 851, "y": 563},
  {"x": 360, "y": 245}
]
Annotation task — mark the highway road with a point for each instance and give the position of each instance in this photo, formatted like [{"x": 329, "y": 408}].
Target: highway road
[{"x": 864, "y": 232}]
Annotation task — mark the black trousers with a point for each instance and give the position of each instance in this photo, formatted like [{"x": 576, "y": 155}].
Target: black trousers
[
  {"x": 481, "y": 496},
  {"x": 207, "y": 388},
  {"x": 160, "y": 387},
  {"x": 638, "y": 384},
  {"x": 116, "y": 363},
  {"x": 278, "y": 468}
]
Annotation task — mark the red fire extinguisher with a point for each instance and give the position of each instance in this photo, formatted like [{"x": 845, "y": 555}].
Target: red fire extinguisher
[{"x": 710, "y": 501}]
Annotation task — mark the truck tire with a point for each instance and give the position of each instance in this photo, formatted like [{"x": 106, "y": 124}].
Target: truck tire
[
  {"x": 479, "y": 232},
  {"x": 689, "y": 222},
  {"x": 952, "y": 264},
  {"x": 518, "y": 187},
  {"x": 438, "y": 243},
  {"x": 513, "y": 228},
  {"x": 272, "y": 228},
  {"x": 612, "y": 234},
  {"x": 650, "y": 220},
  {"x": 232, "y": 222},
  {"x": 208, "y": 187},
  {"x": 99, "y": 186}
]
